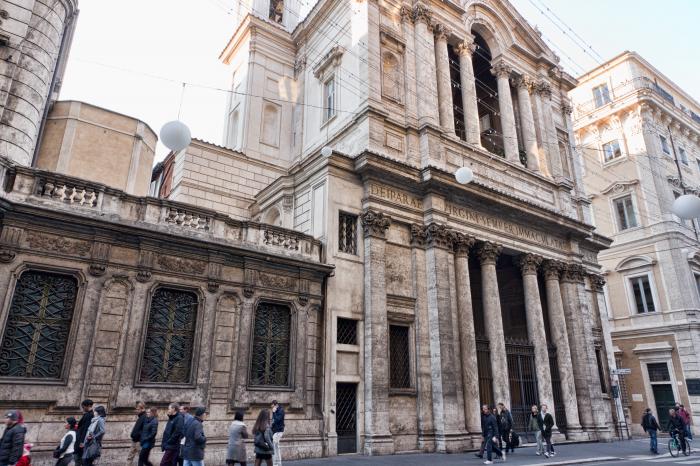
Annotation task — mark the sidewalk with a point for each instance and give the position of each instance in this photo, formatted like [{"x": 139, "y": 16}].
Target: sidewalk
[{"x": 628, "y": 451}]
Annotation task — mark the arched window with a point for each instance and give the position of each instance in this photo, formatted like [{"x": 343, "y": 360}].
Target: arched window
[
  {"x": 39, "y": 321},
  {"x": 271, "y": 348},
  {"x": 167, "y": 355}
]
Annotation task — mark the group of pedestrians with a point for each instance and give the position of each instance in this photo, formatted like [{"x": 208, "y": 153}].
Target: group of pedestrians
[
  {"x": 678, "y": 426},
  {"x": 500, "y": 438},
  {"x": 183, "y": 441}
]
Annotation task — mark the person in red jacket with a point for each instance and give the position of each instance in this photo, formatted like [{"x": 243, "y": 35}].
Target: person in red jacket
[{"x": 26, "y": 459}]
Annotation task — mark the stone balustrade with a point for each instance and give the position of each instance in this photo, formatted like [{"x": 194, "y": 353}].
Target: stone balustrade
[{"x": 32, "y": 187}]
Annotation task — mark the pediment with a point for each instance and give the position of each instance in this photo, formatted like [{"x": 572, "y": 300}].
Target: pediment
[
  {"x": 635, "y": 262},
  {"x": 619, "y": 187}
]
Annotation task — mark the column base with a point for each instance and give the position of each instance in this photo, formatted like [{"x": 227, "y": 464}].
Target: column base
[
  {"x": 454, "y": 442},
  {"x": 605, "y": 434},
  {"x": 426, "y": 442},
  {"x": 378, "y": 445},
  {"x": 577, "y": 434},
  {"x": 332, "y": 446}
]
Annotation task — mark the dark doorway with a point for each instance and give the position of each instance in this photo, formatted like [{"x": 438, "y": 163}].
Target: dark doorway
[
  {"x": 346, "y": 417},
  {"x": 523, "y": 381},
  {"x": 663, "y": 396}
]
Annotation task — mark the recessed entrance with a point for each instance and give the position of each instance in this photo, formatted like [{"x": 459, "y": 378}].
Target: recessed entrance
[{"x": 346, "y": 417}]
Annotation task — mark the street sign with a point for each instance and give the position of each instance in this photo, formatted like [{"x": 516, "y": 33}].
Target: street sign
[{"x": 621, "y": 371}]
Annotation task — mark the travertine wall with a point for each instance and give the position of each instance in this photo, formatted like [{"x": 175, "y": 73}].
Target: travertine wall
[{"x": 38, "y": 35}]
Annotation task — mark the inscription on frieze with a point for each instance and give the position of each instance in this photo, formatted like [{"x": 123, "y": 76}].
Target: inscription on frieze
[{"x": 395, "y": 195}]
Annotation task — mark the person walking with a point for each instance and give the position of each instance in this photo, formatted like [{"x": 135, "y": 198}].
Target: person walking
[
  {"x": 188, "y": 418},
  {"x": 505, "y": 424},
  {"x": 92, "y": 449},
  {"x": 484, "y": 417},
  {"x": 277, "y": 432},
  {"x": 534, "y": 424},
  {"x": 651, "y": 427},
  {"x": 195, "y": 440},
  {"x": 172, "y": 435},
  {"x": 262, "y": 439},
  {"x": 136, "y": 433},
  {"x": 64, "y": 452},
  {"x": 148, "y": 436},
  {"x": 546, "y": 429},
  {"x": 83, "y": 425},
  {"x": 490, "y": 433},
  {"x": 237, "y": 433},
  {"x": 12, "y": 442},
  {"x": 675, "y": 426}
]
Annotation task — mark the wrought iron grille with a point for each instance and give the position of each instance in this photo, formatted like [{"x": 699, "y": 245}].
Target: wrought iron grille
[
  {"x": 38, "y": 325},
  {"x": 483, "y": 363},
  {"x": 347, "y": 331},
  {"x": 167, "y": 355},
  {"x": 523, "y": 380},
  {"x": 399, "y": 357},
  {"x": 559, "y": 410},
  {"x": 658, "y": 372},
  {"x": 346, "y": 417},
  {"x": 271, "y": 337},
  {"x": 347, "y": 233},
  {"x": 622, "y": 380}
]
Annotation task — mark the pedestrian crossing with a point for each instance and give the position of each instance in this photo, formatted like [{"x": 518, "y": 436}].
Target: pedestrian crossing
[{"x": 664, "y": 459}]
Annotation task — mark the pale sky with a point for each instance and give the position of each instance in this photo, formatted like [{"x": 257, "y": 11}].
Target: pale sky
[{"x": 122, "y": 49}]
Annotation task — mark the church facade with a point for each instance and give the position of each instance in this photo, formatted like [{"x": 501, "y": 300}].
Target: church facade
[{"x": 324, "y": 256}]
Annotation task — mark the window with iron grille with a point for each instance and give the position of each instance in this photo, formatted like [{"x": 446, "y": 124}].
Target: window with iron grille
[
  {"x": 347, "y": 331},
  {"x": 167, "y": 354},
  {"x": 624, "y": 391},
  {"x": 601, "y": 371},
  {"x": 271, "y": 345},
  {"x": 38, "y": 325},
  {"x": 347, "y": 233},
  {"x": 399, "y": 357},
  {"x": 658, "y": 372}
]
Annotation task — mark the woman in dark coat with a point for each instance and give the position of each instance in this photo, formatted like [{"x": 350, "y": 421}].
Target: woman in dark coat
[
  {"x": 147, "y": 440},
  {"x": 237, "y": 434},
  {"x": 263, "y": 439}
]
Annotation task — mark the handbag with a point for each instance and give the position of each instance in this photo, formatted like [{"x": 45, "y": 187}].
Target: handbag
[{"x": 92, "y": 450}]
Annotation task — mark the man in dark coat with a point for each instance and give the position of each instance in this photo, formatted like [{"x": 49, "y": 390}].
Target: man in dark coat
[
  {"x": 651, "y": 427},
  {"x": 195, "y": 440},
  {"x": 505, "y": 424},
  {"x": 136, "y": 432},
  {"x": 12, "y": 442},
  {"x": 83, "y": 425},
  {"x": 173, "y": 433},
  {"x": 547, "y": 423},
  {"x": 490, "y": 433}
]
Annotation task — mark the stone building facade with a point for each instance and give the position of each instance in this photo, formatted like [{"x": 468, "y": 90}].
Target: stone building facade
[
  {"x": 639, "y": 137},
  {"x": 35, "y": 37}
]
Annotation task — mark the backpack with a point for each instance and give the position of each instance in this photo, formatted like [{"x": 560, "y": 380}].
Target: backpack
[{"x": 514, "y": 438}]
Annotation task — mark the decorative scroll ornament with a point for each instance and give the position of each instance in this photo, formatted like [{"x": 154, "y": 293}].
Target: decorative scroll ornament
[
  {"x": 375, "y": 223},
  {"x": 528, "y": 263},
  {"x": 488, "y": 252},
  {"x": 462, "y": 244},
  {"x": 9, "y": 242}
]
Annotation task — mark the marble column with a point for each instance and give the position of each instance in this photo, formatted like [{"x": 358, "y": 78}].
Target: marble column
[
  {"x": 493, "y": 322},
  {"x": 447, "y": 395},
  {"x": 560, "y": 338},
  {"x": 467, "y": 340},
  {"x": 425, "y": 67},
  {"x": 571, "y": 275},
  {"x": 505, "y": 107},
  {"x": 550, "y": 142},
  {"x": 535, "y": 327},
  {"x": 376, "y": 365},
  {"x": 444, "y": 81},
  {"x": 468, "y": 83},
  {"x": 599, "y": 319},
  {"x": 527, "y": 122}
]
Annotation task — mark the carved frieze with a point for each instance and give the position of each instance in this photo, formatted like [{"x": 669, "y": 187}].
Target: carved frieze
[
  {"x": 277, "y": 281},
  {"x": 178, "y": 264},
  {"x": 58, "y": 244}
]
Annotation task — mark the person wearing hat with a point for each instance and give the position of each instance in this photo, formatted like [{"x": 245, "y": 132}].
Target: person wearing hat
[
  {"x": 83, "y": 425},
  {"x": 195, "y": 441},
  {"x": 66, "y": 448},
  {"x": 12, "y": 442}
]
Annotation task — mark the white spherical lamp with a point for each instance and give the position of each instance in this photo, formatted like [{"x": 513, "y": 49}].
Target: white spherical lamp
[
  {"x": 175, "y": 135},
  {"x": 687, "y": 206},
  {"x": 464, "y": 175},
  {"x": 326, "y": 151}
]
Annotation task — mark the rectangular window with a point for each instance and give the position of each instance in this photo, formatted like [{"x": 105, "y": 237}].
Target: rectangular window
[
  {"x": 624, "y": 209},
  {"x": 612, "y": 150},
  {"x": 658, "y": 372},
  {"x": 329, "y": 99},
  {"x": 347, "y": 331},
  {"x": 271, "y": 351},
  {"x": 643, "y": 298},
  {"x": 601, "y": 371},
  {"x": 347, "y": 233},
  {"x": 399, "y": 357},
  {"x": 697, "y": 282},
  {"x": 683, "y": 156},
  {"x": 664, "y": 145},
  {"x": 601, "y": 95}
]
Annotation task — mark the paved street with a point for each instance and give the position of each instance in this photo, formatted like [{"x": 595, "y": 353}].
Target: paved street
[{"x": 626, "y": 453}]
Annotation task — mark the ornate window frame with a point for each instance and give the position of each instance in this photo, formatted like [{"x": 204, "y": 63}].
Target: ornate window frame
[
  {"x": 196, "y": 344},
  {"x": 75, "y": 320}
]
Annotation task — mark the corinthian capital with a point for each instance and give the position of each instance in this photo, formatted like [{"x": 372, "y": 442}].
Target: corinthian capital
[
  {"x": 422, "y": 13},
  {"x": 439, "y": 236},
  {"x": 573, "y": 273},
  {"x": 501, "y": 70},
  {"x": 441, "y": 31},
  {"x": 523, "y": 82},
  {"x": 544, "y": 89},
  {"x": 528, "y": 263},
  {"x": 462, "y": 244},
  {"x": 418, "y": 237},
  {"x": 552, "y": 269},
  {"x": 488, "y": 252},
  {"x": 597, "y": 281},
  {"x": 406, "y": 14},
  {"x": 375, "y": 223}
]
